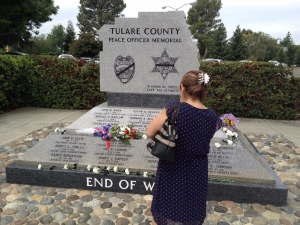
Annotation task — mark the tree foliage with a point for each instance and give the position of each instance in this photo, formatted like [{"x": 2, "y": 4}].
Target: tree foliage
[
  {"x": 202, "y": 20},
  {"x": 297, "y": 60},
  {"x": 290, "y": 48},
  {"x": 287, "y": 41},
  {"x": 41, "y": 44},
  {"x": 18, "y": 18},
  {"x": 93, "y": 14},
  {"x": 238, "y": 48},
  {"x": 70, "y": 36},
  {"x": 57, "y": 37},
  {"x": 260, "y": 45},
  {"x": 281, "y": 56},
  {"x": 219, "y": 48},
  {"x": 86, "y": 45}
]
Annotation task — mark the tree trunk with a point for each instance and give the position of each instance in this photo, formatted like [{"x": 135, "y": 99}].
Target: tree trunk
[{"x": 205, "y": 53}]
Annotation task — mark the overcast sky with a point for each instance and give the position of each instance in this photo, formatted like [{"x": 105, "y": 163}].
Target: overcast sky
[{"x": 274, "y": 17}]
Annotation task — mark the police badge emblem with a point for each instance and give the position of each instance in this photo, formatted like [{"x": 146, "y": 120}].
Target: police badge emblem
[{"x": 124, "y": 68}]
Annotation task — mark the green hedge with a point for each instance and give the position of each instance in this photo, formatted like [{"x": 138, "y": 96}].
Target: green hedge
[
  {"x": 256, "y": 90},
  {"x": 45, "y": 81},
  {"x": 14, "y": 83}
]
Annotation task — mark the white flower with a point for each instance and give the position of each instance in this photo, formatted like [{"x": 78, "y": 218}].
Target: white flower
[
  {"x": 89, "y": 167},
  {"x": 66, "y": 167},
  {"x": 115, "y": 169},
  {"x": 96, "y": 170},
  {"x": 40, "y": 167},
  {"x": 122, "y": 132},
  {"x": 225, "y": 129},
  {"x": 57, "y": 130},
  {"x": 206, "y": 78},
  {"x": 235, "y": 134},
  {"x": 229, "y": 142},
  {"x": 127, "y": 171},
  {"x": 108, "y": 168},
  {"x": 217, "y": 144},
  {"x": 122, "y": 128},
  {"x": 144, "y": 136},
  {"x": 229, "y": 133},
  {"x": 145, "y": 174}
]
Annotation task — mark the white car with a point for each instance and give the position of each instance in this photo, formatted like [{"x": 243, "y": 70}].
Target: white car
[
  {"x": 66, "y": 56},
  {"x": 276, "y": 63},
  {"x": 212, "y": 60}
]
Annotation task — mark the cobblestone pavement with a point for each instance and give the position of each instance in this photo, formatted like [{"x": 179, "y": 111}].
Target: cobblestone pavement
[{"x": 25, "y": 204}]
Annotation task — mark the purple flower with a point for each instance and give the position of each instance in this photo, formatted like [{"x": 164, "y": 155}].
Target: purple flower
[{"x": 229, "y": 120}]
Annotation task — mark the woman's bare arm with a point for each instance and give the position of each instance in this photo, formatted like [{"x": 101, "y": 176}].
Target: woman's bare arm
[{"x": 156, "y": 124}]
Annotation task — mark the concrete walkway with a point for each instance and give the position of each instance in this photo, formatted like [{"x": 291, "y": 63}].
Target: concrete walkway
[{"x": 20, "y": 122}]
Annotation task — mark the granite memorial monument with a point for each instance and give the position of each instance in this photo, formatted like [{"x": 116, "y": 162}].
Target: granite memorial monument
[{"x": 141, "y": 65}]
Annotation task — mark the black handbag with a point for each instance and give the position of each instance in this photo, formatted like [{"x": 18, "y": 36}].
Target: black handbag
[{"x": 163, "y": 144}]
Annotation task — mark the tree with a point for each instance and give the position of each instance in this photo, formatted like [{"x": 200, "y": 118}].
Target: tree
[
  {"x": 86, "y": 45},
  {"x": 21, "y": 17},
  {"x": 260, "y": 45},
  {"x": 297, "y": 60},
  {"x": 93, "y": 14},
  {"x": 219, "y": 48},
  {"x": 202, "y": 20},
  {"x": 237, "y": 45},
  {"x": 287, "y": 41},
  {"x": 57, "y": 37},
  {"x": 40, "y": 45},
  {"x": 281, "y": 56},
  {"x": 69, "y": 37},
  {"x": 290, "y": 54}
]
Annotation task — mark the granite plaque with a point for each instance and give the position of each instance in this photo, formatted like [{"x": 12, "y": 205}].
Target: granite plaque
[
  {"x": 148, "y": 54},
  {"x": 238, "y": 162},
  {"x": 59, "y": 150},
  {"x": 102, "y": 115}
]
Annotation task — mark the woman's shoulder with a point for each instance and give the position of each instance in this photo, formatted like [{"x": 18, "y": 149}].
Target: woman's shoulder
[{"x": 171, "y": 104}]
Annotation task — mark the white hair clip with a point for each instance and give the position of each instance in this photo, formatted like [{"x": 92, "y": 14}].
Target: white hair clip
[{"x": 203, "y": 78}]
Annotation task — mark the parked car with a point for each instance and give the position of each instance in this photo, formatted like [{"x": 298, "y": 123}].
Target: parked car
[
  {"x": 66, "y": 56},
  {"x": 212, "y": 60},
  {"x": 246, "y": 61},
  {"x": 96, "y": 60},
  {"x": 276, "y": 63},
  {"x": 86, "y": 59}
]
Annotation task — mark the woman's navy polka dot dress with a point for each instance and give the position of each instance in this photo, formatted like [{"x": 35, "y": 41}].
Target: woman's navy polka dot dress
[{"x": 180, "y": 189}]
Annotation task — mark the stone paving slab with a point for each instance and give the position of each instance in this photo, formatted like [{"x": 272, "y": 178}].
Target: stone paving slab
[{"x": 26, "y": 204}]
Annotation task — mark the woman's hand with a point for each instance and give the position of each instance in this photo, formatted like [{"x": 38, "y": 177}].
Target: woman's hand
[{"x": 156, "y": 124}]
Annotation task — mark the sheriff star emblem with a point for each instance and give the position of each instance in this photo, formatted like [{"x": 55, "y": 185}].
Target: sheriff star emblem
[{"x": 165, "y": 64}]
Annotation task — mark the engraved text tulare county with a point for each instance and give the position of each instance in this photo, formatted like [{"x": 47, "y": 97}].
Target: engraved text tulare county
[{"x": 142, "y": 35}]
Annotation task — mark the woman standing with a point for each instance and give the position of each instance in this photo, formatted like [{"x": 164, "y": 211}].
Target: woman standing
[{"x": 180, "y": 189}]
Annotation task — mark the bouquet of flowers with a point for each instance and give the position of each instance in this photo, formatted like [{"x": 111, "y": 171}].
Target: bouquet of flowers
[
  {"x": 118, "y": 132},
  {"x": 229, "y": 125}
]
